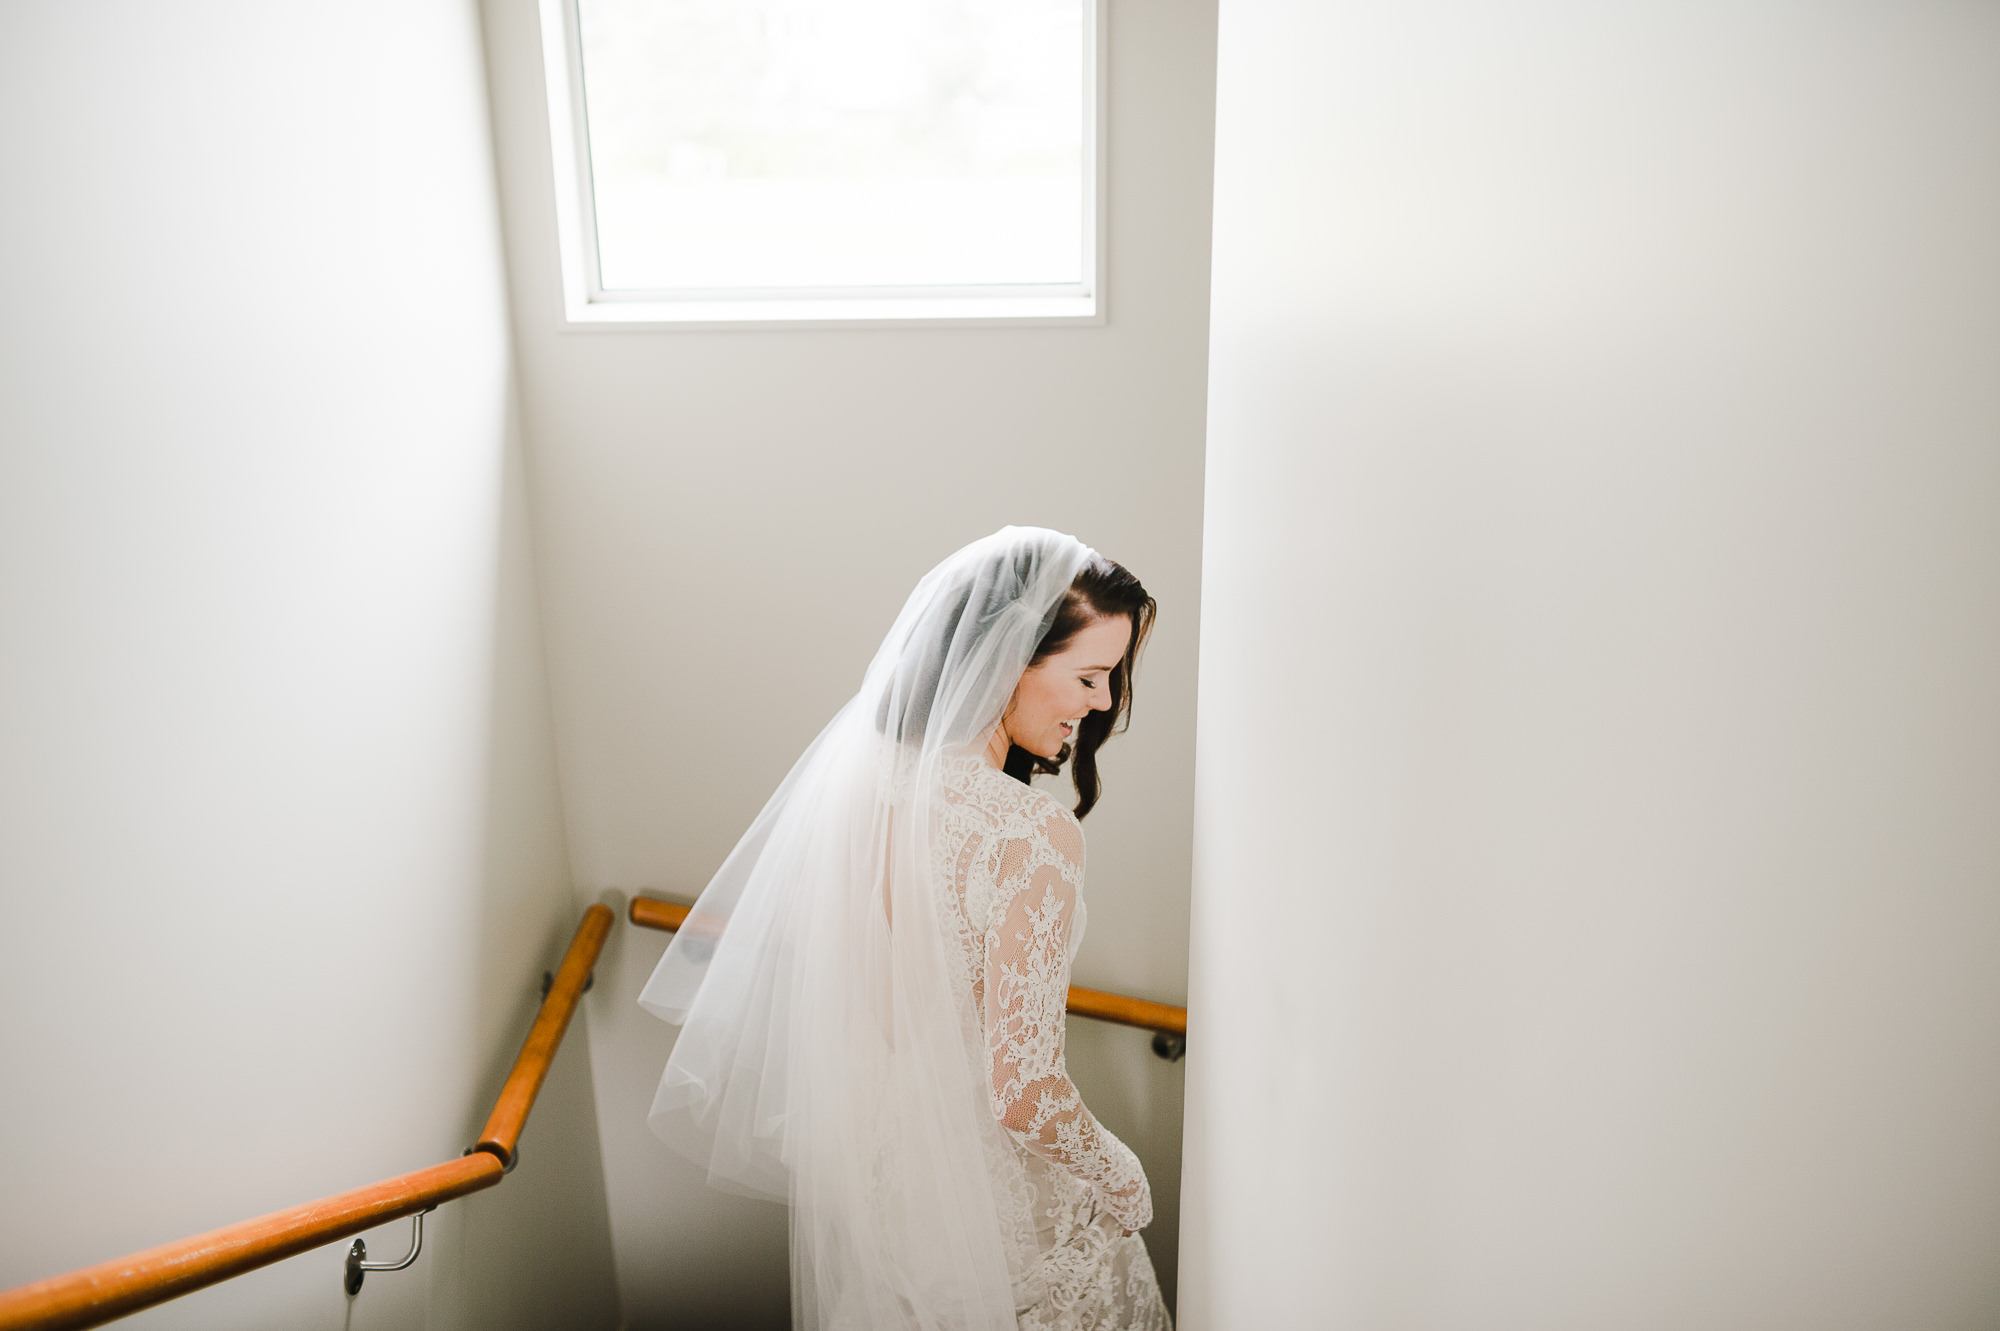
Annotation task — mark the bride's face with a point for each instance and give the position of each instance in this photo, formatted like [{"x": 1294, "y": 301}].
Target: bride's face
[{"x": 1056, "y": 694}]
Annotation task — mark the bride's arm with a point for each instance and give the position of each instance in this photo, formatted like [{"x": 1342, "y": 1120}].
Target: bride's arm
[{"x": 1027, "y": 985}]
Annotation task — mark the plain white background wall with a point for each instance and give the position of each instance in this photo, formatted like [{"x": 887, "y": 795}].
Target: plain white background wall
[
  {"x": 1597, "y": 863},
  {"x": 280, "y": 851},
  {"x": 706, "y": 502}
]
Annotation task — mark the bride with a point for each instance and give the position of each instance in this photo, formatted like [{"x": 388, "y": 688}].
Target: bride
[{"x": 871, "y": 989}]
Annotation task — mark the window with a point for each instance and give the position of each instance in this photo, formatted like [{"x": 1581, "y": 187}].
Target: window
[{"x": 733, "y": 161}]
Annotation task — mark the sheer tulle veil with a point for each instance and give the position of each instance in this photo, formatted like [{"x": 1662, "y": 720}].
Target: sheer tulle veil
[{"x": 827, "y": 1042}]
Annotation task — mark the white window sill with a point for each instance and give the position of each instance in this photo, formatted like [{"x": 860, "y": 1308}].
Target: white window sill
[{"x": 905, "y": 312}]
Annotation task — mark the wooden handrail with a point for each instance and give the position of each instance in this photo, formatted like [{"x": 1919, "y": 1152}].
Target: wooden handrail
[
  {"x": 1140, "y": 1012},
  {"x": 652, "y": 913},
  {"x": 510, "y": 1111},
  {"x": 98, "y": 1294}
]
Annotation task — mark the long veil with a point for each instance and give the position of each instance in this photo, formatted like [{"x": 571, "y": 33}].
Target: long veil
[{"x": 829, "y": 1039}]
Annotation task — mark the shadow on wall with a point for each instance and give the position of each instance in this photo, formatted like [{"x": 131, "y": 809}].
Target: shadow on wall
[
  {"x": 720, "y": 1262},
  {"x": 536, "y": 1251}
]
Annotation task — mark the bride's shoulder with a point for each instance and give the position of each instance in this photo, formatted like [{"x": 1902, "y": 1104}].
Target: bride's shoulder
[
  {"x": 1039, "y": 815},
  {"x": 1014, "y": 808},
  {"x": 1045, "y": 810}
]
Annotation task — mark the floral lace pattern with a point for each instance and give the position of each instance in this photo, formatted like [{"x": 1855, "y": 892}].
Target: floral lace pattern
[{"x": 1012, "y": 861}]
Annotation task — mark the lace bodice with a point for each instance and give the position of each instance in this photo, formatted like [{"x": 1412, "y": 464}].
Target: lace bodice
[{"x": 1010, "y": 861}]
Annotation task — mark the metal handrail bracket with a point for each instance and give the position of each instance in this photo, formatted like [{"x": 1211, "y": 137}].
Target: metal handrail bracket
[{"x": 358, "y": 1265}]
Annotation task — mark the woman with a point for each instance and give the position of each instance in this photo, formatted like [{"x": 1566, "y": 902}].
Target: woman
[{"x": 871, "y": 989}]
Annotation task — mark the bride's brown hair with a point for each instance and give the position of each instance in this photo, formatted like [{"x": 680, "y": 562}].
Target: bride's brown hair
[{"x": 1104, "y": 589}]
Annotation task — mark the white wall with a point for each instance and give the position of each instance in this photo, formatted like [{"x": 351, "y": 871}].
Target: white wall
[
  {"x": 280, "y": 851},
  {"x": 708, "y": 502},
  {"x": 1597, "y": 863}
]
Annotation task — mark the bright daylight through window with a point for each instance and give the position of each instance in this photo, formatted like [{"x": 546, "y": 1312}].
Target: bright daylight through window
[{"x": 826, "y": 159}]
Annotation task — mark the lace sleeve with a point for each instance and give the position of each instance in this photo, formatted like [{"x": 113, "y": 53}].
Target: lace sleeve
[{"x": 1027, "y": 984}]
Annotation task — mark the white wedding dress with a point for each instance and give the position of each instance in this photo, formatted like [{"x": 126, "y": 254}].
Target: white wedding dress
[
  {"x": 871, "y": 992},
  {"x": 1010, "y": 862}
]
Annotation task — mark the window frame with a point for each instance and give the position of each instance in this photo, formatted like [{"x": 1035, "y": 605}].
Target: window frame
[{"x": 587, "y": 305}]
